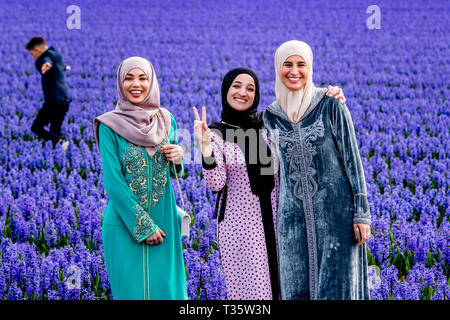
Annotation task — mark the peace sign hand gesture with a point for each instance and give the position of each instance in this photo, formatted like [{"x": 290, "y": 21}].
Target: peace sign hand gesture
[{"x": 202, "y": 132}]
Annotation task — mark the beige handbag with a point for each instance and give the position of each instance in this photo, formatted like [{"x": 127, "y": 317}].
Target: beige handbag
[{"x": 184, "y": 219}]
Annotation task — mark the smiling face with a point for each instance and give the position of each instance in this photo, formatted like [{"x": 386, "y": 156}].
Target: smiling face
[
  {"x": 241, "y": 94},
  {"x": 294, "y": 73},
  {"x": 136, "y": 86}
]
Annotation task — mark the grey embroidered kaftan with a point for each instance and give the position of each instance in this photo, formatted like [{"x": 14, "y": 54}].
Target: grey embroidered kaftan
[{"x": 322, "y": 193}]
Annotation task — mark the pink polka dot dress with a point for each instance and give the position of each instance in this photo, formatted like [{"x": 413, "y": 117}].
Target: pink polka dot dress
[{"x": 241, "y": 236}]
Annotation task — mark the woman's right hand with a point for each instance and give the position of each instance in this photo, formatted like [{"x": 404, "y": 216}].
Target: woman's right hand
[
  {"x": 155, "y": 238},
  {"x": 202, "y": 132}
]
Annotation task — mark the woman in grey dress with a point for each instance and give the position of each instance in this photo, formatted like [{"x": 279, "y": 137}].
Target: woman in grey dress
[{"x": 323, "y": 218}]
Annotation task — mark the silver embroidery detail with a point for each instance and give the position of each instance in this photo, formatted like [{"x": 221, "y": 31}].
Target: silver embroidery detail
[{"x": 299, "y": 154}]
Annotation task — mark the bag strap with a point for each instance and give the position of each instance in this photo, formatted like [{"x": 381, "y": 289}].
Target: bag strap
[
  {"x": 220, "y": 212},
  {"x": 174, "y": 167}
]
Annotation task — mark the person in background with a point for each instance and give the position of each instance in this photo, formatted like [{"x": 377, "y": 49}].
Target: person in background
[{"x": 56, "y": 98}]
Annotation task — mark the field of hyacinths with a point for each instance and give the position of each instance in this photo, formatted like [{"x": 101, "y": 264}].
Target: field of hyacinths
[{"x": 395, "y": 80}]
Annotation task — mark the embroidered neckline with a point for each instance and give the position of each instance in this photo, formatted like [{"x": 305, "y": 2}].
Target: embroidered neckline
[
  {"x": 275, "y": 107},
  {"x": 135, "y": 162},
  {"x": 136, "y": 166}
]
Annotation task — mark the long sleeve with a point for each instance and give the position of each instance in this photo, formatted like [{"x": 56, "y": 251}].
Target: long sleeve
[
  {"x": 344, "y": 133},
  {"x": 41, "y": 60},
  {"x": 214, "y": 170},
  {"x": 173, "y": 139},
  {"x": 133, "y": 215}
]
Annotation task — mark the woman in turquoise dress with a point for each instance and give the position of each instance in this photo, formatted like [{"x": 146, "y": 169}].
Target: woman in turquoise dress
[{"x": 140, "y": 229}]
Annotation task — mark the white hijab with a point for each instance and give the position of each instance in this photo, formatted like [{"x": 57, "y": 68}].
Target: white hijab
[{"x": 294, "y": 103}]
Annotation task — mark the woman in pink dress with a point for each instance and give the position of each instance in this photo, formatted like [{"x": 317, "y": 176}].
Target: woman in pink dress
[{"x": 238, "y": 164}]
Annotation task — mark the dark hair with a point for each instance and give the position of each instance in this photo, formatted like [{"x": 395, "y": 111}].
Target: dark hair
[{"x": 36, "y": 41}]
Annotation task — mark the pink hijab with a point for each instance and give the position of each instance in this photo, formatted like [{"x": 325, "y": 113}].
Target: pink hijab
[
  {"x": 294, "y": 103},
  {"x": 138, "y": 124}
]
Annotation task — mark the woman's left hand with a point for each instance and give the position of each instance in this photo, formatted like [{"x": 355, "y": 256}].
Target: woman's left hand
[
  {"x": 336, "y": 90},
  {"x": 173, "y": 153},
  {"x": 362, "y": 232}
]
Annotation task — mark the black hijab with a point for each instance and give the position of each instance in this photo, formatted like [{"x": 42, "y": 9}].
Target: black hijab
[
  {"x": 261, "y": 184},
  {"x": 247, "y": 119}
]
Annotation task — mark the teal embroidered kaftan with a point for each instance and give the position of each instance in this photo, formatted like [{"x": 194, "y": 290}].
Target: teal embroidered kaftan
[{"x": 141, "y": 199}]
